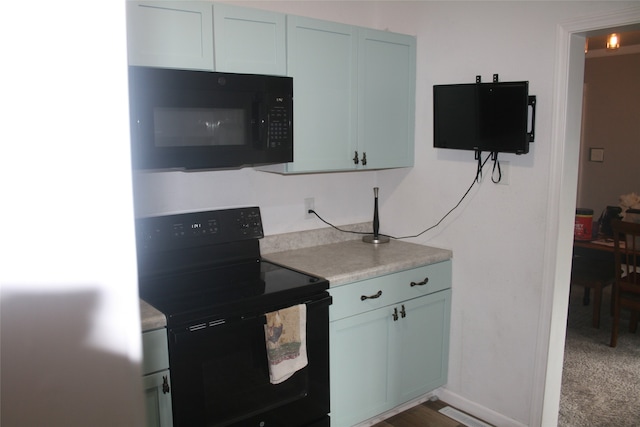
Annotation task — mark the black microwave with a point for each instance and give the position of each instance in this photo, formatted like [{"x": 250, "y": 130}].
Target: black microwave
[{"x": 183, "y": 119}]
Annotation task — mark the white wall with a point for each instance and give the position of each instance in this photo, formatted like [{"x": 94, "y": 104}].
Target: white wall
[{"x": 345, "y": 198}]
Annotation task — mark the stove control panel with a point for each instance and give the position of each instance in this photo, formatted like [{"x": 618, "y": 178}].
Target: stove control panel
[
  {"x": 198, "y": 228},
  {"x": 249, "y": 223}
]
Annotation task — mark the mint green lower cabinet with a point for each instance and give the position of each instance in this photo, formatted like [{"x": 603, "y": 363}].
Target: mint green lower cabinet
[
  {"x": 391, "y": 349},
  {"x": 157, "y": 399},
  {"x": 422, "y": 339},
  {"x": 156, "y": 379},
  {"x": 359, "y": 361}
]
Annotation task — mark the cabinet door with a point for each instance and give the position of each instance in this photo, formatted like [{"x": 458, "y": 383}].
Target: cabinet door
[
  {"x": 386, "y": 98},
  {"x": 359, "y": 367},
  {"x": 249, "y": 40},
  {"x": 421, "y": 342},
  {"x": 321, "y": 58},
  {"x": 157, "y": 390},
  {"x": 170, "y": 34}
]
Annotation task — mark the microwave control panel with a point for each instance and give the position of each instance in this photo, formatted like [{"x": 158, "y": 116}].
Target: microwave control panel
[{"x": 279, "y": 127}]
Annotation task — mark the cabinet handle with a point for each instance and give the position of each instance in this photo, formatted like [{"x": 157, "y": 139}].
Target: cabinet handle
[
  {"x": 424, "y": 282},
  {"x": 364, "y": 159},
  {"x": 355, "y": 158},
  {"x": 403, "y": 312},
  {"x": 165, "y": 384},
  {"x": 395, "y": 314},
  {"x": 377, "y": 295}
]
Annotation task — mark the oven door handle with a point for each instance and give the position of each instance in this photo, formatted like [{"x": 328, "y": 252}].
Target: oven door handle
[
  {"x": 325, "y": 301},
  {"x": 311, "y": 304},
  {"x": 179, "y": 335}
]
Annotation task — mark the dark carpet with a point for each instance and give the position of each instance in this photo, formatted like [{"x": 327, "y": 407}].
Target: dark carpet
[{"x": 600, "y": 384}]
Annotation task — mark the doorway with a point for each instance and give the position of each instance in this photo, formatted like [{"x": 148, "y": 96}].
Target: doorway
[{"x": 566, "y": 128}]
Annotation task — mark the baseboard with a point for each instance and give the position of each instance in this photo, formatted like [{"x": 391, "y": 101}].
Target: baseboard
[{"x": 478, "y": 411}]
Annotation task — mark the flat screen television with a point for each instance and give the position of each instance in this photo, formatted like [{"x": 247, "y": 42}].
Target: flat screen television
[{"x": 485, "y": 117}]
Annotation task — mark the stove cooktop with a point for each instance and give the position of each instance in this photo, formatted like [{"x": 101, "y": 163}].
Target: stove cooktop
[
  {"x": 208, "y": 264},
  {"x": 255, "y": 287}
]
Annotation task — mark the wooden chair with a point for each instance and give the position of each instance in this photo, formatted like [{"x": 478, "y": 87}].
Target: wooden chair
[
  {"x": 626, "y": 287},
  {"x": 592, "y": 273}
]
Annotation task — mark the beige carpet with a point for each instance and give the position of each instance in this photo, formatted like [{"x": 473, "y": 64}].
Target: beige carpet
[{"x": 600, "y": 384}]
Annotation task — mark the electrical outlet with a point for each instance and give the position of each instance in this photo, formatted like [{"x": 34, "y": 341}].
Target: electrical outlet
[{"x": 309, "y": 204}]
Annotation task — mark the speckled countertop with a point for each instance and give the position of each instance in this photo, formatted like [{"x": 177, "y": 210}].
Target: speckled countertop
[
  {"x": 339, "y": 257},
  {"x": 354, "y": 260},
  {"x": 151, "y": 317}
]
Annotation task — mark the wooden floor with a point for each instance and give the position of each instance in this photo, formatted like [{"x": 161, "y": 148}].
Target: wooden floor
[{"x": 423, "y": 415}]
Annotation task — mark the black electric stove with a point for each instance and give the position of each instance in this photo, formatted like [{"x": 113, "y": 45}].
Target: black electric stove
[{"x": 204, "y": 272}]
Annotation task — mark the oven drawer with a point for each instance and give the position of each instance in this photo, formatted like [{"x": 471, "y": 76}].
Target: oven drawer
[
  {"x": 359, "y": 297},
  {"x": 155, "y": 353}
]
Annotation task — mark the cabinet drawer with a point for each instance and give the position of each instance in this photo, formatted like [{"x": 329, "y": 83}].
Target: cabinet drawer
[
  {"x": 155, "y": 354},
  {"x": 392, "y": 288}
]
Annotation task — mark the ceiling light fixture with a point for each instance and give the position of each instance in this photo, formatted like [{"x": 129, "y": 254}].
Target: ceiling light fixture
[{"x": 613, "y": 41}]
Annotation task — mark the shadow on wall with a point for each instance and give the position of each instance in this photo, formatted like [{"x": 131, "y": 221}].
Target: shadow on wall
[{"x": 51, "y": 375}]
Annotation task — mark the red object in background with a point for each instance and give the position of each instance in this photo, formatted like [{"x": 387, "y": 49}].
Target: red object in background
[{"x": 584, "y": 224}]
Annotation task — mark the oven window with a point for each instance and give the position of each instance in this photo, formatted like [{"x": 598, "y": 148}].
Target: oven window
[{"x": 185, "y": 127}]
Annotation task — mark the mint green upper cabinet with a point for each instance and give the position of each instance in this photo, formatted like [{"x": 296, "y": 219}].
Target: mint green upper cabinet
[
  {"x": 170, "y": 34},
  {"x": 249, "y": 40},
  {"x": 386, "y": 98},
  {"x": 321, "y": 58},
  {"x": 354, "y": 97}
]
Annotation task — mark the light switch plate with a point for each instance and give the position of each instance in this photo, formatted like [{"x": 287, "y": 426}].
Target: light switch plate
[{"x": 596, "y": 154}]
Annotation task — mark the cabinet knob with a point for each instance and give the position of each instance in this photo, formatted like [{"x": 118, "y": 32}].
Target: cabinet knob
[
  {"x": 165, "y": 384},
  {"x": 395, "y": 314},
  {"x": 424, "y": 282},
  {"x": 364, "y": 159},
  {"x": 403, "y": 312},
  {"x": 374, "y": 296},
  {"x": 355, "y": 158}
]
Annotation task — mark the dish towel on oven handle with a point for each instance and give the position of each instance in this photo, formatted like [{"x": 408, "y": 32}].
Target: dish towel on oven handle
[{"x": 286, "y": 338}]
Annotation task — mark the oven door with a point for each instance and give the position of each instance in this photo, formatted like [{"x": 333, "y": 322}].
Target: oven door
[{"x": 220, "y": 376}]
